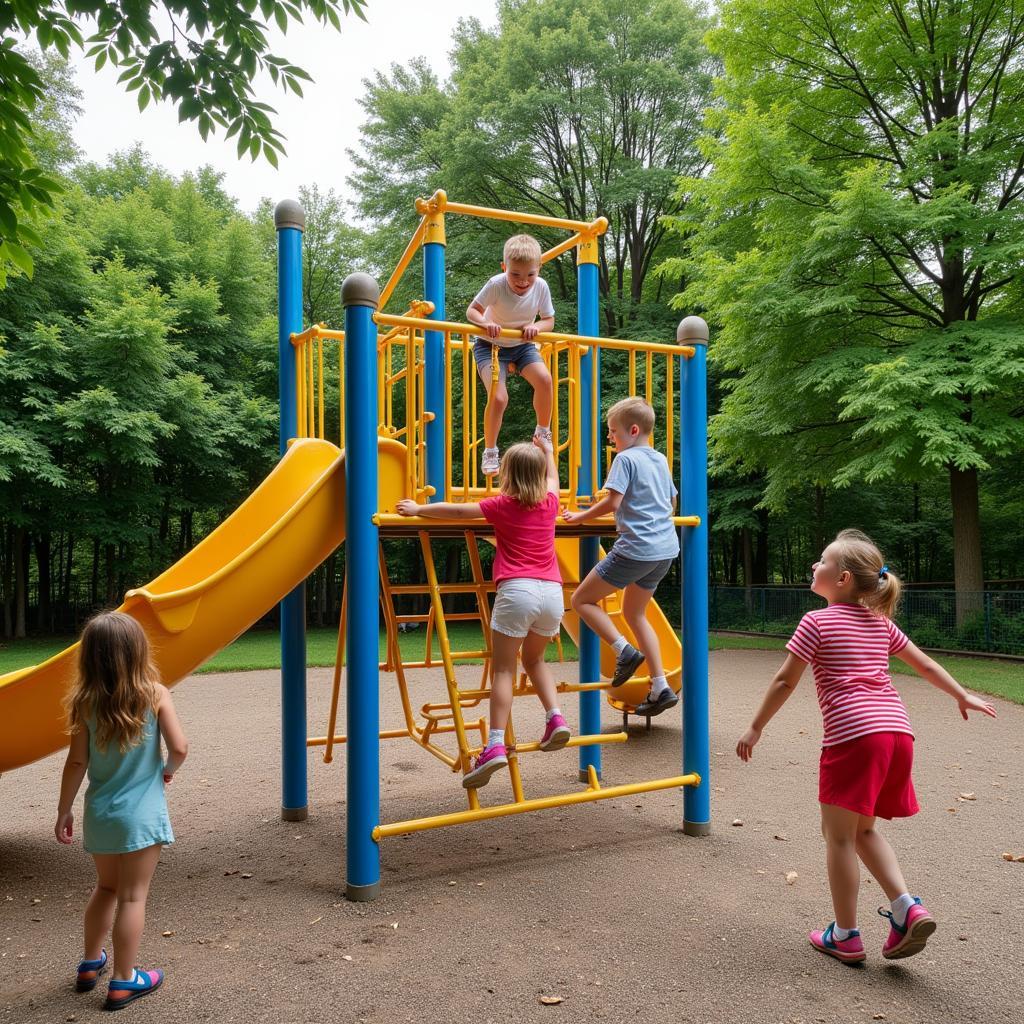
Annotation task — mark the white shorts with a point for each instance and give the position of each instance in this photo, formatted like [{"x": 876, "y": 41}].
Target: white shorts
[{"x": 528, "y": 606}]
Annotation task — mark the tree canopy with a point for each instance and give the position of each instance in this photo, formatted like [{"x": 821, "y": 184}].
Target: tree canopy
[
  {"x": 202, "y": 57},
  {"x": 858, "y": 245}
]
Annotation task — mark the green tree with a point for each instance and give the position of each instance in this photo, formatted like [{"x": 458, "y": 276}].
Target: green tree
[
  {"x": 859, "y": 247},
  {"x": 201, "y": 57},
  {"x": 576, "y": 109}
]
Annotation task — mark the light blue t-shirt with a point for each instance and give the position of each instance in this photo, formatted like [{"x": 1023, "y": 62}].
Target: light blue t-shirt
[{"x": 644, "y": 516}]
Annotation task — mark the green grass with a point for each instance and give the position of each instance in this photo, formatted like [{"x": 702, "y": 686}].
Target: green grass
[{"x": 260, "y": 649}]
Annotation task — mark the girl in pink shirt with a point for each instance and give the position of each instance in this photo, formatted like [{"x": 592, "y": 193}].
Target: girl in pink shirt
[
  {"x": 529, "y": 603},
  {"x": 868, "y": 746}
]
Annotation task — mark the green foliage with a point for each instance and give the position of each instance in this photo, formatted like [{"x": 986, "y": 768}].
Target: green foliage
[
  {"x": 204, "y": 63},
  {"x": 857, "y": 245},
  {"x": 580, "y": 109}
]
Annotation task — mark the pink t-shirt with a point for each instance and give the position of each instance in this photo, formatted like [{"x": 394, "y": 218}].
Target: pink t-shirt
[
  {"x": 525, "y": 538},
  {"x": 848, "y": 648}
]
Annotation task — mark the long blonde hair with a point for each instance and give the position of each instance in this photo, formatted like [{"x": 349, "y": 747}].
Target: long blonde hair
[
  {"x": 524, "y": 474},
  {"x": 877, "y": 587},
  {"x": 116, "y": 684}
]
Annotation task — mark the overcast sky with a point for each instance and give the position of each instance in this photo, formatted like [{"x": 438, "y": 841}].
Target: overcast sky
[{"x": 318, "y": 128}]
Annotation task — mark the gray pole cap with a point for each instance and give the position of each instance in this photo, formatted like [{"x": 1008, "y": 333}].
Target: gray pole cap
[
  {"x": 289, "y": 214},
  {"x": 360, "y": 290},
  {"x": 692, "y": 330}
]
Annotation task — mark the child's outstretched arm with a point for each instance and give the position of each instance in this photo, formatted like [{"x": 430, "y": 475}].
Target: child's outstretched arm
[
  {"x": 440, "y": 509},
  {"x": 779, "y": 691},
  {"x": 71, "y": 781},
  {"x": 931, "y": 670},
  {"x": 554, "y": 484},
  {"x": 609, "y": 503},
  {"x": 172, "y": 732}
]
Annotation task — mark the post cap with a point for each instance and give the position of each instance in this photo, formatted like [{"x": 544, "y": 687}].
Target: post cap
[
  {"x": 692, "y": 330},
  {"x": 289, "y": 214},
  {"x": 360, "y": 290}
]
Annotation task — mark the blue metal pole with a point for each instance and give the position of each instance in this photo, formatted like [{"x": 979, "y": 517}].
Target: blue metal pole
[
  {"x": 290, "y": 222},
  {"x": 360, "y": 297},
  {"x": 590, "y": 645},
  {"x": 434, "y": 354},
  {"x": 693, "y": 489}
]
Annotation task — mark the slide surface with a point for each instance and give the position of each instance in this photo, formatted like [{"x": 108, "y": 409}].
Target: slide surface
[
  {"x": 630, "y": 694},
  {"x": 203, "y": 602}
]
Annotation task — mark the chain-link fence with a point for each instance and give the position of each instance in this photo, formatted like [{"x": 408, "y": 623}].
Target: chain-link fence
[{"x": 991, "y": 621}]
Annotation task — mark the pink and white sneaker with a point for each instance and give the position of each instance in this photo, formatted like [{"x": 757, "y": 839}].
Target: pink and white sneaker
[
  {"x": 849, "y": 950},
  {"x": 912, "y": 936},
  {"x": 486, "y": 764},
  {"x": 556, "y": 734}
]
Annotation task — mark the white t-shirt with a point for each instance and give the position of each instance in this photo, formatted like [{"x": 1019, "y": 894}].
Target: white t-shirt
[{"x": 512, "y": 311}]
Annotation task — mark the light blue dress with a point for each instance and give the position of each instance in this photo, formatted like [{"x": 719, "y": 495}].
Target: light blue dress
[{"x": 125, "y": 806}]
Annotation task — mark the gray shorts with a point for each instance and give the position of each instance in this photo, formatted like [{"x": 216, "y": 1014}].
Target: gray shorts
[
  {"x": 620, "y": 571},
  {"x": 522, "y": 355}
]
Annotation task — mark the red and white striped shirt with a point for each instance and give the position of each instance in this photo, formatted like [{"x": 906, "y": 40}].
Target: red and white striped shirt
[{"x": 848, "y": 648}]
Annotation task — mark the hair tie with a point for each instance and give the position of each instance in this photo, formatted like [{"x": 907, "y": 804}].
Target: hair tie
[{"x": 882, "y": 572}]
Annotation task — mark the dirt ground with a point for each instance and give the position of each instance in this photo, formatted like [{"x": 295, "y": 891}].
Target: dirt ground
[{"x": 608, "y": 905}]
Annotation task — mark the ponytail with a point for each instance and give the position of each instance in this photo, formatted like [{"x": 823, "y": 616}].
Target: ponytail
[{"x": 878, "y": 588}]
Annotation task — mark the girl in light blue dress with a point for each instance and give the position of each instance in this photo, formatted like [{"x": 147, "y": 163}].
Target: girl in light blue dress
[{"x": 117, "y": 713}]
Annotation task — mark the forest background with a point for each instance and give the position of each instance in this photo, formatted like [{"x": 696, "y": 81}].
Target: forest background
[{"x": 840, "y": 199}]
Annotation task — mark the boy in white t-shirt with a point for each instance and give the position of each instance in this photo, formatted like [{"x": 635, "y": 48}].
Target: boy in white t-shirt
[{"x": 513, "y": 300}]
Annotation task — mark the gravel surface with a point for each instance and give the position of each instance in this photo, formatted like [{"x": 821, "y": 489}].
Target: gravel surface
[{"x": 606, "y": 906}]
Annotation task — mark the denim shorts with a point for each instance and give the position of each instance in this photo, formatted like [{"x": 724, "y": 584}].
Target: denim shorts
[
  {"x": 524, "y": 606},
  {"x": 620, "y": 571},
  {"x": 522, "y": 355}
]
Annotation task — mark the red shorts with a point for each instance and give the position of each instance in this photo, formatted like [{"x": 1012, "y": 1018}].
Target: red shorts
[{"x": 870, "y": 775}]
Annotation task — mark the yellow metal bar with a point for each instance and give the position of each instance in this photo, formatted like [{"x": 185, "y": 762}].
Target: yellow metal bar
[
  {"x": 439, "y": 203},
  {"x": 311, "y": 400},
  {"x": 545, "y": 338},
  {"x": 300, "y": 398},
  {"x": 339, "y": 657},
  {"x": 320, "y": 365},
  {"x": 330, "y": 740},
  {"x": 399, "y": 828},
  {"x": 424, "y": 523},
  {"x": 670, "y": 413},
  {"x": 403, "y": 263},
  {"x": 565, "y": 246}
]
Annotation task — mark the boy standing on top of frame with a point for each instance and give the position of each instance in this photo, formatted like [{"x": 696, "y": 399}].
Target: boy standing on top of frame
[
  {"x": 642, "y": 494},
  {"x": 513, "y": 300}
]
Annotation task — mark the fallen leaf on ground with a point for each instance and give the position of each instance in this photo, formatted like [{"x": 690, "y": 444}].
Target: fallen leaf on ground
[
  {"x": 878, "y": 1016},
  {"x": 394, "y": 925},
  {"x": 233, "y": 872},
  {"x": 167, "y": 934},
  {"x": 762, "y": 871},
  {"x": 1007, "y": 856},
  {"x": 550, "y": 1000},
  {"x": 781, "y": 838},
  {"x": 1019, "y": 860},
  {"x": 247, "y": 874},
  {"x": 791, "y": 877},
  {"x": 737, "y": 822},
  {"x": 347, "y": 957},
  {"x": 317, "y": 920},
  {"x": 968, "y": 796}
]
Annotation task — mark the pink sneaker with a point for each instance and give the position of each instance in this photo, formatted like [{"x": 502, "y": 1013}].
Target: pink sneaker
[
  {"x": 556, "y": 734},
  {"x": 487, "y": 763},
  {"x": 850, "y": 951},
  {"x": 912, "y": 936}
]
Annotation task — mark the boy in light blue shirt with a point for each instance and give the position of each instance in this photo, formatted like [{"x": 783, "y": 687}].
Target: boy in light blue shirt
[{"x": 642, "y": 494}]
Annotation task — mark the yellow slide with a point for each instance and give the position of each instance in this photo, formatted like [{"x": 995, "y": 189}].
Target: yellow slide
[
  {"x": 269, "y": 544},
  {"x": 630, "y": 694}
]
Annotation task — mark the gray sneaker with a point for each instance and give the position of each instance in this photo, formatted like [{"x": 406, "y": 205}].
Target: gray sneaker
[
  {"x": 626, "y": 664},
  {"x": 665, "y": 700}
]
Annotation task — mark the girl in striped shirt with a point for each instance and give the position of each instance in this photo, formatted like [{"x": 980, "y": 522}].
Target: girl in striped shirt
[{"x": 868, "y": 745}]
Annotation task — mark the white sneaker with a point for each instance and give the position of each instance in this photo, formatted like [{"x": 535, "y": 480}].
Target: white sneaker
[{"x": 489, "y": 463}]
